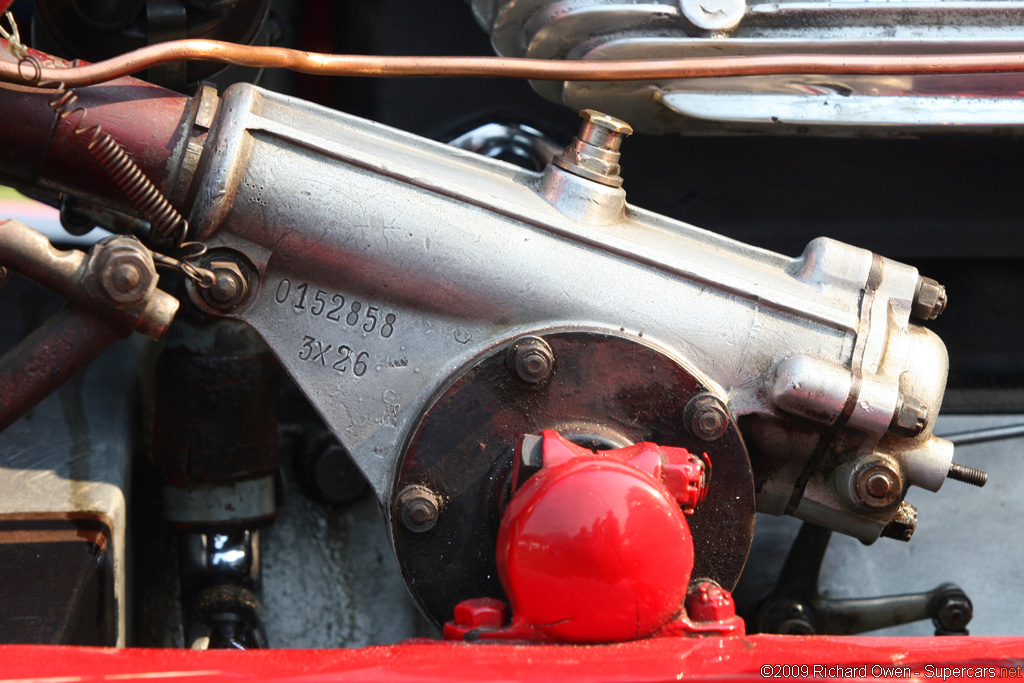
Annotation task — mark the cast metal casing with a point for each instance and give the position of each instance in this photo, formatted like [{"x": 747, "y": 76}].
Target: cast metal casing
[{"x": 387, "y": 263}]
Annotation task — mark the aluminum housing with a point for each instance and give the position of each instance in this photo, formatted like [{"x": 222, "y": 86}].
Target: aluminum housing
[{"x": 387, "y": 263}]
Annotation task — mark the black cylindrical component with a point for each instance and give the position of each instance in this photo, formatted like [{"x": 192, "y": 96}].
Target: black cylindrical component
[{"x": 216, "y": 407}]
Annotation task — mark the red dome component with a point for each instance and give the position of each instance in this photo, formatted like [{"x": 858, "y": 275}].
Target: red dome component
[
  {"x": 594, "y": 551},
  {"x": 594, "y": 548}
]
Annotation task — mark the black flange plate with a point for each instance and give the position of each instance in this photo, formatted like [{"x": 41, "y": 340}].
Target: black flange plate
[{"x": 463, "y": 447}]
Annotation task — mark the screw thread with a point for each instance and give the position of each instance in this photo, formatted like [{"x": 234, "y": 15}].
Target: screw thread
[{"x": 966, "y": 474}]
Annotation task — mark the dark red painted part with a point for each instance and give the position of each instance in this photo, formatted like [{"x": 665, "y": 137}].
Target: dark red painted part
[
  {"x": 148, "y": 121},
  {"x": 662, "y": 659}
]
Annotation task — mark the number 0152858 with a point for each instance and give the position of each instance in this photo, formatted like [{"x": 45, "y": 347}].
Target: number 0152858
[{"x": 333, "y": 307}]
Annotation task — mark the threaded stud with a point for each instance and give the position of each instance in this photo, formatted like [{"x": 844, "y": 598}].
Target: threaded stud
[{"x": 966, "y": 474}]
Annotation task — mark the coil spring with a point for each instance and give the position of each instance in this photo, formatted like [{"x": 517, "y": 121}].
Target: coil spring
[{"x": 167, "y": 224}]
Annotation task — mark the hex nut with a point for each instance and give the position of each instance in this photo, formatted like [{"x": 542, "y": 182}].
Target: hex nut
[
  {"x": 903, "y": 523},
  {"x": 418, "y": 508},
  {"x": 706, "y": 417},
  {"x": 329, "y": 471},
  {"x": 127, "y": 274},
  {"x": 929, "y": 299},
  {"x": 594, "y": 152},
  {"x": 953, "y": 612},
  {"x": 531, "y": 359},
  {"x": 230, "y": 287},
  {"x": 910, "y": 417}
]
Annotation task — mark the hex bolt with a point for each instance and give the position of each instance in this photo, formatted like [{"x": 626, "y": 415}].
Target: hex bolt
[
  {"x": 967, "y": 475},
  {"x": 910, "y": 417},
  {"x": 127, "y": 273},
  {"x": 230, "y": 285},
  {"x": 419, "y": 508},
  {"x": 126, "y": 277},
  {"x": 929, "y": 299},
  {"x": 903, "y": 523},
  {"x": 706, "y": 417},
  {"x": 878, "y": 485},
  {"x": 594, "y": 152},
  {"x": 531, "y": 359}
]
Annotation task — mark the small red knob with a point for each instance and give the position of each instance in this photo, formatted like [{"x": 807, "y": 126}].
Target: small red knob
[
  {"x": 481, "y": 613},
  {"x": 710, "y": 602}
]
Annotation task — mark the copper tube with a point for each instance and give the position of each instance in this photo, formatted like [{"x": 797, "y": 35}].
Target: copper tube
[{"x": 505, "y": 67}]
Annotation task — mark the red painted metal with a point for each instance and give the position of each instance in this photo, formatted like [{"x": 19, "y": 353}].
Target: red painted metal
[
  {"x": 37, "y": 150},
  {"x": 583, "y": 542},
  {"x": 595, "y": 548},
  {"x": 755, "y": 658}
]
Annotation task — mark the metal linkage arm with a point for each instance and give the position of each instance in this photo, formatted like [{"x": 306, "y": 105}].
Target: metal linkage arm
[
  {"x": 111, "y": 293},
  {"x": 796, "y": 607}
]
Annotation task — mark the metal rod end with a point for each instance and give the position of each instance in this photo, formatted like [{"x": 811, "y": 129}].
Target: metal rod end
[{"x": 968, "y": 475}]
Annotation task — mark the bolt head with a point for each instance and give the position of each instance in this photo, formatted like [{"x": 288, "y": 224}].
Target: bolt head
[
  {"x": 127, "y": 275},
  {"x": 481, "y": 613},
  {"x": 334, "y": 475},
  {"x": 229, "y": 287},
  {"x": 710, "y": 602},
  {"x": 225, "y": 287},
  {"x": 929, "y": 299},
  {"x": 878, "y": 485},
  {"x": 531, "y": 359},
  {"x": 609, "y": 123},
  {"x": 714, "y": 15},
  {"x": 954, "y": 612},
  {"x": 419, "y": 508},
  {"x": 910, "y": 418},
  {"x": 707, "y": 417}
]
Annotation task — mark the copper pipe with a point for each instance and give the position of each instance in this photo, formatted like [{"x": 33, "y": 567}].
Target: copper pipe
[{"x": 505, "y": 67}]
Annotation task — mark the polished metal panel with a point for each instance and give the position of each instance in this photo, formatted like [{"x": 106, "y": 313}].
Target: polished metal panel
[{"x": 609, "y": 29}]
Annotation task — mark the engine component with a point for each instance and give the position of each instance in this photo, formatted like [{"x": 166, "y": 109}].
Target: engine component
[
  {"x": 215, "y": 445},
  {"x": 215, "y": 432},
  {"x": 414, "y": 292},
  {"x": 795, "y": 606},
  {"x": 602, "y": 30},
  {"x": 378, "y": 291},
  {"x": 594, "y": 547},
  {"x": 604, "y": 390},
  {"x": 221, "y": 582}
]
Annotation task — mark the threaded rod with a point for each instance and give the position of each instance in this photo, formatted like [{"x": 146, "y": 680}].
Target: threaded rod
[{"x": 966, "y": 474}]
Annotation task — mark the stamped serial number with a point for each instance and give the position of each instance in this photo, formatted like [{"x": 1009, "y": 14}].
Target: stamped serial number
[
  {"x": 332, "y": 307},
  {"x": 341, "y": 359}
]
